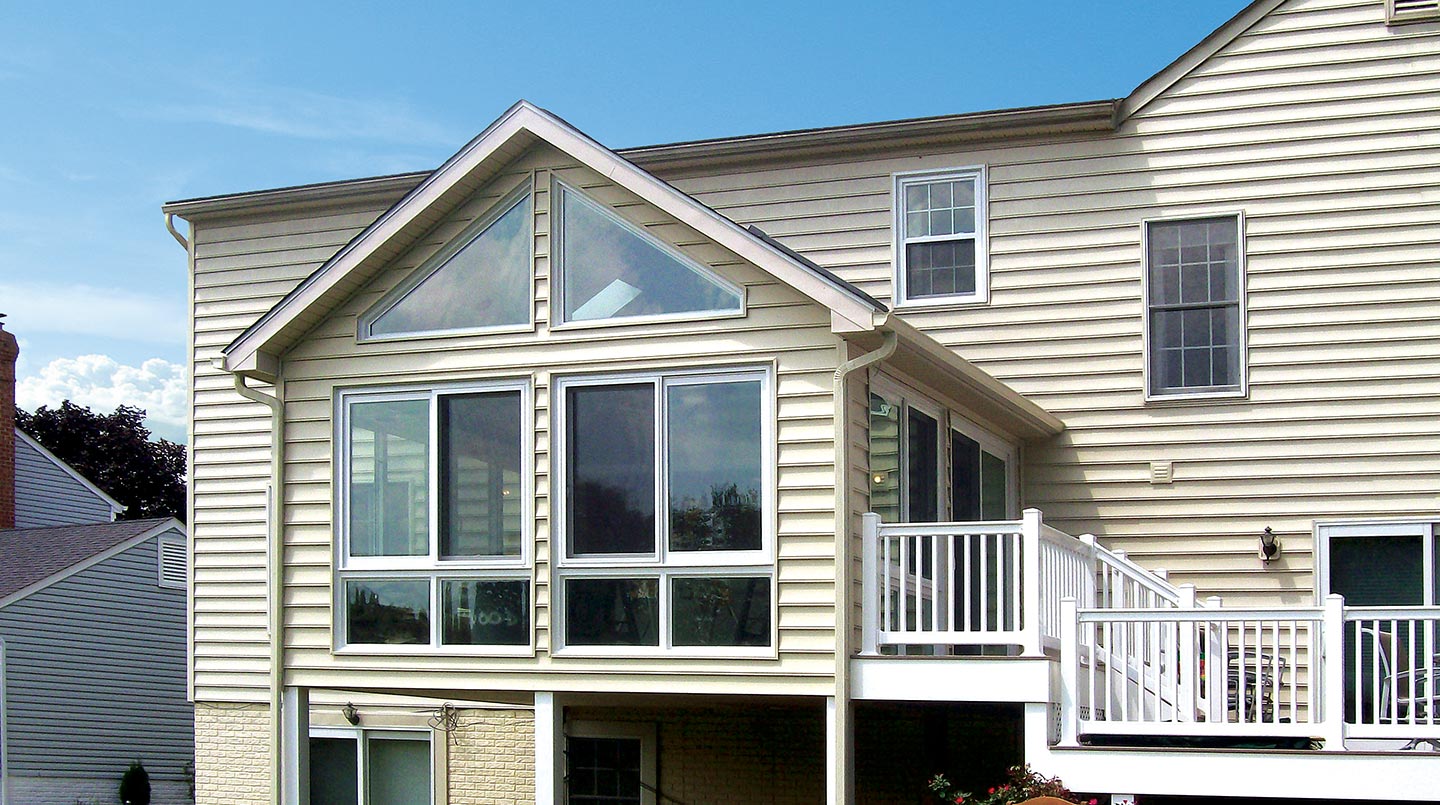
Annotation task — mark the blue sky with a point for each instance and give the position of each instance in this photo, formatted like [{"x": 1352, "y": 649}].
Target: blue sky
[{"x": 113, "y": 109}]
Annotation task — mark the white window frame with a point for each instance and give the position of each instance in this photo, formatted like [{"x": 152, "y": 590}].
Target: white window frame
[
  {"x": 1242, "y": 390},
  {"x": 907, "y": 396},
  {"x": 361, "y": 737},
  {"x": 1326, "y": 530},
  {"x": 437, "y": 262},
  {"x": 432, "y": 567},
  {"x": 643, "y": 731},
  {"x": 975, "y": 173},
  {"x": 663, "y": 564},
  {"x": 558, "y": 189},
  {"x": 172, "y": 541}
]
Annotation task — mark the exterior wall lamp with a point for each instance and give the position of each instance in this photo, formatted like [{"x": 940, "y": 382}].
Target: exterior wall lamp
[
  {"x": 1269, "y": 545},
  {"x": 351, "y": 714}
]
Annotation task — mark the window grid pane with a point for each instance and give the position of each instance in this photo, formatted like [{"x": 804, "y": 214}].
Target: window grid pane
[
  {"x": 603, "y": 771},
  {"x": 1194, "y": 288}
]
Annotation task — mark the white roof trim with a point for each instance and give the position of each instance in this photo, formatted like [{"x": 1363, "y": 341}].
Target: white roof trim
[
  {"x": 115, "y": 506},
  {"x": 1194, "y": 57},
  {"x": 168, "y": 525},
  {"x": 525, "y": 117}
]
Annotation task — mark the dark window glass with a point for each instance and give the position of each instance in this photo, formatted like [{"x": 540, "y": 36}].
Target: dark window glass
[
  {"x": 612, "y": 612},
  {"x": 397, "y": 771},
  {"x": 480, "y": 474},
  {"x": 388, "y": 612},
  {"x": 939, "y": 268},
  {"x": 486, "y": 613},
  {"x": 885, "y": 459},
  {"x": 923, "y": 440},
  {"x": 992, "y": 487},
  {"x": 603, "y": 771},
  {"x": 389, "y": 478},
  {"x": 334, "y": 771},
  {"x": 721, "y": 611},
  {"x": 1378, "y": 571},
  {"x": 713, "y": 439},
  {"x": 611, "y": 467},
  {"x": 964, "y": 478},
  {"x": 1194, "y": 300}
]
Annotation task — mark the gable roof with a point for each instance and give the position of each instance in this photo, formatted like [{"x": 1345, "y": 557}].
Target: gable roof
[
  {"x": 257, "y": 350},
  {"x": 32, "y": 558},
  {"x": 115, "y": 506}
]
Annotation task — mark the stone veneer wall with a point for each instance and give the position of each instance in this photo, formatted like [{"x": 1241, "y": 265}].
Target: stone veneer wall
[
  {"x": 232, "y": 754},
  {"x": 491, "y": 758}
]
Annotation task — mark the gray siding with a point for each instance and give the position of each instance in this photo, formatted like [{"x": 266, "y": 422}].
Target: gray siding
[
  {"x": 47, "y": 495},
  {"x": 95, "y": 673}
]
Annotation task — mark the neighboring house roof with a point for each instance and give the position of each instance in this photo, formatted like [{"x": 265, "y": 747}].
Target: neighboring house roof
[
  {"x": 33, "y": 558},
  {"x": 115, "y": 506},
  {"x": 256, "y": 350}
]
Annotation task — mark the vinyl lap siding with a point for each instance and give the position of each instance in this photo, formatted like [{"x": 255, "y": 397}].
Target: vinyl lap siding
[
  {"x": 780, "y": 326},
  {"x": 1320, "y": 125},
  {"x": 243, "y": 266},
  {"x": 47, "y": 495},
  {"x": 95, "y": 674}
]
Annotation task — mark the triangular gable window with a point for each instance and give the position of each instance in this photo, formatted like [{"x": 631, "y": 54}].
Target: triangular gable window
[
  {"x": 481, "y": 280},
  {"x": 609, "y": 269}
]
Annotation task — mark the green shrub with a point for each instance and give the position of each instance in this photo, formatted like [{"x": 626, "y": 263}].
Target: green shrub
[{"x": 135, "y": 785}]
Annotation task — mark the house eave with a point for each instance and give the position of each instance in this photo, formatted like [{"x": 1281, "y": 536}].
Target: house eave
[{"x": 306, "y": 195}]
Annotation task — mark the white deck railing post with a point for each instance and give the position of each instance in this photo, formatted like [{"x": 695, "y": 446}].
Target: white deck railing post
[
  {"x": 1089, "y": 598},
  {"x": 1186, "y": 698},
  {"x": 1070, "y": 673},
  {"x": 1030, "y": 581},
  {"x": 1332, "y": 662},
  {"x": 1217, "y": 680},
  {"x": 870, "y": 586}
]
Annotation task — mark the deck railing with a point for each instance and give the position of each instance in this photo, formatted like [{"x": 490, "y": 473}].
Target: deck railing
[{"x": 940, "y": 586}]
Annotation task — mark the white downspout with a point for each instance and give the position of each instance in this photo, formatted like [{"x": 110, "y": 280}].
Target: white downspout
[
  {"x": 837, "y": 784},
  {"x": 276, "y": 549}
]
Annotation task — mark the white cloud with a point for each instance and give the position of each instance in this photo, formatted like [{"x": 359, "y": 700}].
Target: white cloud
[
  {"x": 103, "y": 384},
  {"x": 310, "y": 115},
  {"x": 86, "y": 310}
]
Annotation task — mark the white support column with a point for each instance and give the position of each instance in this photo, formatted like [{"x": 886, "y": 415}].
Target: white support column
[
  {"x": 295, "y": 744},
  {"x": 1332, "y": 674},
  {"x": 549, "y": 749},
  {"x": 1217, "y": 682},
  {"x": 1187, "y": 694},
  {"x": 1030, "y": 523},
  {"x": 839, "y": 752},
  {"x": 870, "y": 586},
  {"x": 1070, "y": 673}
]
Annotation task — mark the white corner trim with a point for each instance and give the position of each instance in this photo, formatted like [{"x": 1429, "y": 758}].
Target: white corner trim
[
  {"x": 85, "y": 564},
  {"x": 115, "y": 506}
]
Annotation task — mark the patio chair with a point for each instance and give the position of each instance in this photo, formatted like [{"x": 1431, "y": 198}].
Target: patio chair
[{"x": 1413, "y": 696}]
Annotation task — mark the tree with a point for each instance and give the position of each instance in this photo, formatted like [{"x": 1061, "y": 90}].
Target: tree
[{"x": 116, "y": 453}]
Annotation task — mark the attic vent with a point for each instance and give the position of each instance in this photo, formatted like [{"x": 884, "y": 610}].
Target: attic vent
[
  {"x": 1401, "y": 11},
  {"x": 172, "y": 562},
  {"x": 1161, "y": 472}
]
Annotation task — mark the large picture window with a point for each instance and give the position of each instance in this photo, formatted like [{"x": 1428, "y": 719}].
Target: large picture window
[
  {"x": 665, "y": 510},
  {"x": 940, "y": 250},
  {"x": 433, "y": 545},
  {"x": 1194, "y": 289}
]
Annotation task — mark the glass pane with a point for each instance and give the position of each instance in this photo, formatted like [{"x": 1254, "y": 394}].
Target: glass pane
[
  {"x": 713, "y": 439},
  {"x": 485, "y": 613},
  {"x": 721, "y": 611},
  {"x": 612, "y": 612},
  {"x": 612, "y": 271},
  {"x": 484, "y": 284},
  {"x": 885, "y": 459},
  {"x": 943, "y": 268},
  {"x": 389, "y": 478},
  {"x": 923, "y": 470},
  {"x": 398, "y": 772},
  {"x": 334, "y": 771},
  {"x": 1378, "y": 571},
  {"x": 480, "y": 474},
  {"x": 603, "y": 771},
  {"x": 964, "y": 478},
  {"x": 611, "y": 467},
  {"x": 388, "y": 612},
  {"x": 993, "y": 487}
]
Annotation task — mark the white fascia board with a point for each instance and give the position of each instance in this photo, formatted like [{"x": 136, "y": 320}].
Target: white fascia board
[
  {"x": 115, "y": 506},
  {"x": 525, "y": 117},
  {"x": 1192, "y": 58},
  {"x": 951, "y": 679},
  {"x": 165, "y": 527}
]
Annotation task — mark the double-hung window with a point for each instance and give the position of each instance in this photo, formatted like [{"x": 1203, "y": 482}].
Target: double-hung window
[
  {"x": 665, "y": 515},
  {"x": 1195, "y": 317},
  {"x": 433, "y": 549},
  {"x": 940, "y": 250}
]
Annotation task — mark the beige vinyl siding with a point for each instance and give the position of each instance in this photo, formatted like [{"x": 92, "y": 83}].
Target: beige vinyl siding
[
  {"x": 1320, "y": 124},
  {"x": 243, "y": 266},
  {"x": 782, "y": 330}
]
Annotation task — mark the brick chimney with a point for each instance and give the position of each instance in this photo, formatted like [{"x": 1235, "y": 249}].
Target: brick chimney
[{"x": 9, "y": 351}]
